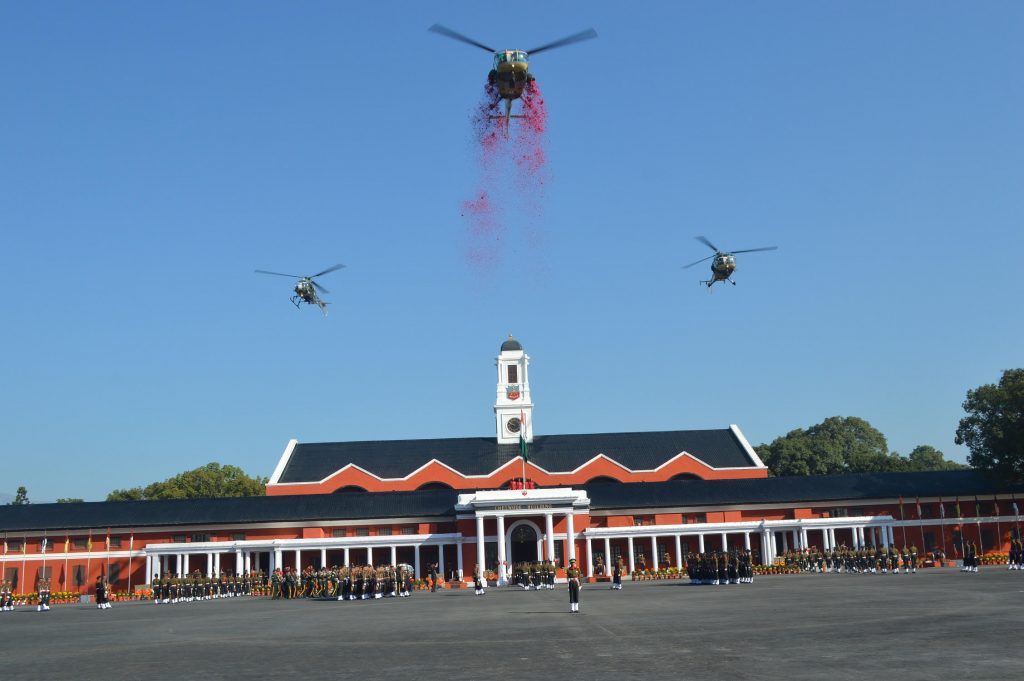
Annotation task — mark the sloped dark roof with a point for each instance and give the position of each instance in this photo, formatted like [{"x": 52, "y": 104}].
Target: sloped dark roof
[
  {"x": 138, "y": 514},
  {"x": 479, "y": 456},
  {"x": 795, "y": 489}
]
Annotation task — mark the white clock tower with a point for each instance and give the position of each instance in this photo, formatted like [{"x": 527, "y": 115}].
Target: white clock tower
[{"x": 513, "y": 408}]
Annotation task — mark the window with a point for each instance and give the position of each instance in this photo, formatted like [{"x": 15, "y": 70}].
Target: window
[
  {"x": 11, "y": 575},
  {"x": 700, "y": 518},
  {"x": 857, "y": 512},
  {"x": 383, "y": 531},
  {"x": 558, "y": 553},
  {"x": 178, "y": 539},
  {"x": 841, "y": 512},
  {"x": 82, "y": 543},
  {"x": 685, "y": 548},
  {"x": 339, "y": 532},
  {"x": 513, "y": 373},
  {"x": 14, "y": 545},
  {"x": 981, "y": 508},
  {"x": 616, "y": 553},
  {"x": 926, "y": 511},
  {"x": 639, "y": 520},
  {"x": 988, "y": 540},
  {"x": 200, "y": 537},
  {"x": 45, "y": 573},
  {"x": 114, "y": 573},
  {"x": 78, "y": 575},
  {"x": 408, "y": 530},
  {"x": 238, "y": 536},
  {"x": 115, "y": 542},
  {"x": 362, "y": 532},
  {"x": 929, "y": 541}
]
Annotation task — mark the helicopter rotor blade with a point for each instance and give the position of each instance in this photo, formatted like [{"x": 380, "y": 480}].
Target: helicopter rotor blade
[
  {"x": 318, "y": 287},
  {"x": 704, "y": 240},
  {"x": 754, "y": 250},
  {"x": 327, "y": 271},
  {"x": 698, "y": 262},
  {"x": 568, "y": 40},
  {"x": 280, "y": 274},
  {"x": 454, "y": 35}
]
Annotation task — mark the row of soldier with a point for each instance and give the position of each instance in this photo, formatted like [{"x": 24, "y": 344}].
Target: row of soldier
[
  {"x": 536, "y": 575},
  {"x": 174, "y": 588},
  {"x": 870, "y": 560},
  {"x": 350, "y": 583},
  {"x": 720, "y": 567}
]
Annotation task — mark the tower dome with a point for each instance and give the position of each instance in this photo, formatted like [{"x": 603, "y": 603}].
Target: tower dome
[{"x": 511, "y": 345}]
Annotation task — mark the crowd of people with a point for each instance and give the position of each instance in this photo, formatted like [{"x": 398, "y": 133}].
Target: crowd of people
[
  {"x": 173, "y": 588},
  {"x": 870, "y": 560}
]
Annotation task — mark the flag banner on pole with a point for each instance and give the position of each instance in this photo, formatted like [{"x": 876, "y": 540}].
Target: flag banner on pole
[
  {"x": 942, "y": 508},
  {"x": 108, "y": 539},
  {"x": 917, "y": 500},
  {"x": 995, "y": 506},
  {"x": 524, "y": 449},
  {"x": 131, "y": 540},
  {"x": 959, "y": 515},
  {"x": 5, "y": 543},
  {"x": 88, "y": 543},
  {"x": 67, "y": 543},
  {"x": 1015, "y": 512},
  {"x": 42, "y": 546}
]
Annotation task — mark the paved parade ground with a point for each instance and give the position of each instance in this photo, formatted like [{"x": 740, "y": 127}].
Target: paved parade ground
[{"x": 936, "y": 624}]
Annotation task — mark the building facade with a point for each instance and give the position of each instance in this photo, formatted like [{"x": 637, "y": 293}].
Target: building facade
[{"x": 647, "y": 499}]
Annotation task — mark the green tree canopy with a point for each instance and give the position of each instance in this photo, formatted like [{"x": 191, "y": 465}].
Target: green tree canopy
[
  {"x": 211, "y": 480},
  {"x": 994, "y": 427},
  {"x": 844, "y": 445},
  {"x": 20, "y": 497},
  {"x": 70, "y": 500}
]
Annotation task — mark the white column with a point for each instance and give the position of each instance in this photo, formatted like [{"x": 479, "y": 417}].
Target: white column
[
  {"x": 590, "y": 557},
  {"x": 394, "y": 555},
  {"x": 892, "y": 536},
  {"x": 163, "y": 565},
  {"x": 632, "y": 563},
  {"x": 654, "y": 553},
  {"x": 803, "y": 538},
  {"x": 700, "y": 543},
  {"x": 209, "y": 564},
  {"x": 323, "y": 558},
  {"x": 570, "y": 534},
  {"x": 501, "y": 550},
  {"x": 885, "y": 538},
  {"x": 725, "y": 541},
  {"x": 369, "y": 555},
  {"x": 796, "y": 539},
  {"x": 216, "y": 563},
  {"x": 298, "y": 559},
  {"x": 480, "y": 555},
  {"x": 440, "y": 560},
  {"x": 607, "y": 556},
  {"x": 746, "y": 541},
  {"x": 458, "y": 559},
  {"x": 785, "y": 542},
  {"x": 773, "y": 543},
  {"x": 346, "y": 556},
  {"x": 416, "y": 561},
  {"x": 549, "y": 529},
  {"x": 278, "y": 560},
  {"x": 149, "y": 569},
  {"x": 679, "y": 553},
  {"x": 247, "y": 562},
  {"x": 185, "y": 570}
]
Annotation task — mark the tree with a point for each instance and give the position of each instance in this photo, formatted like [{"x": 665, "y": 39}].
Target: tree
[
  {"x": 994, "y": 427},
  {"x": 20, "y": 497},
  {"x": 70, "y": 500},
  {"x": 845, "y": 445},
  {"x": 211, "y": 480}
]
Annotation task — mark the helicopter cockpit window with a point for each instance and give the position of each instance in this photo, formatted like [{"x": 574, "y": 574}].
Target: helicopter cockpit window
[{"x": 520, "y": 56}]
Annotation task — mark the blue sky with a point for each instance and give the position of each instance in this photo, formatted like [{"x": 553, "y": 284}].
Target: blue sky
[{"x": 153, "y": 155}]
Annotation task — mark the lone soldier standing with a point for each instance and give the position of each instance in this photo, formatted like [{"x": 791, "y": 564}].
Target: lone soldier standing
[
  {"x": 572, "y": 574},
  {"x": 478, "y": 581},
  {"x": 44, "y": 595},
  {"x": 617, "y": 575}
]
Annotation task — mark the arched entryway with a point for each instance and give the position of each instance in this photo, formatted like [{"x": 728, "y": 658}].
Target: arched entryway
[{"x": 523, "y": 542}]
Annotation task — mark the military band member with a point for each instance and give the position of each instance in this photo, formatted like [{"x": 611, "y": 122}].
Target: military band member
[
  {"x": 617, "y": 574},
  {"x": 573, "y": 575},
  {"x": 101, "y": 593}
]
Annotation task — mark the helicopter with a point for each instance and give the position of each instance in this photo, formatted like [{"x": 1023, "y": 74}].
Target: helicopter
[
  {"x": 306, "y": 289},
  {"x": 511, "y": 72},
  {"x": 724, "y": 264}
]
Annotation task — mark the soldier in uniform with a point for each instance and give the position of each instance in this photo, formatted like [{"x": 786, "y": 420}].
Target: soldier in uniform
[
  {"x": 478, "y": 583},
  {"x": 573, "y": 576},
  {"x": 617, "y": 575},
  {"x": 157, "y": 589},
  {"x": 6, "y": 596},
  {"x": 101, "y": 593},
  {"x": 599, "y": 566},
  {"x": 550, "y": 575},
  {"x": 44, "y": 595},
  {"x": 913, "y": 558}
]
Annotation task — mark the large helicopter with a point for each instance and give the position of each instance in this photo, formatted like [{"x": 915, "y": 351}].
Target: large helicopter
[
  {"x": 723, "y": 264},
  {"x": 511, "y": 72},
  {"x": 306, "y": 289}
]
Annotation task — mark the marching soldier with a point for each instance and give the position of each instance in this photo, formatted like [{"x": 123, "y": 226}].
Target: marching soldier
[
  {"x": 573, "y": 576},
  {"x": 599, "y": 566},
  {"x": 101, "y": 593},
  {"x": 157, "y": 589},
  {"x": 913, "y": 558}
]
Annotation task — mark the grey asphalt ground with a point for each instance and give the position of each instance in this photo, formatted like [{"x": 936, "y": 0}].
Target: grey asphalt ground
[{"x": 936, "y": 624}]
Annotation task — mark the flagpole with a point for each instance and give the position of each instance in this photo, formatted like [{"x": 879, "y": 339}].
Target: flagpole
[
  {"x": 24, "y": 558},
  {"x": 45, "y": 542},
  {"x": 977, "y": 521},
  {"x": 65, "y": 589},
  {"x": 903, "y": 520},
  {"x": 920, "y": 526},
  {"x": 88, "y": 561},
  {"x": 131, "y": 541}
]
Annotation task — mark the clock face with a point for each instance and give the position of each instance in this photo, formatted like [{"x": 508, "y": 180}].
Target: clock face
[{"x": 513, "y": 425}]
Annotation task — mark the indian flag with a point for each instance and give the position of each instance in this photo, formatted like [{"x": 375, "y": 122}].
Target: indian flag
[{"x": 524, "y": 450}]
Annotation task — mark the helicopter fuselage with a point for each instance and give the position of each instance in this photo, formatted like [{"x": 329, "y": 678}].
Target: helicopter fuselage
[
  {"x": 304, "y": 290},
  {"x": 510, "y": 74},
  {"x": 722, "y": 268}
]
